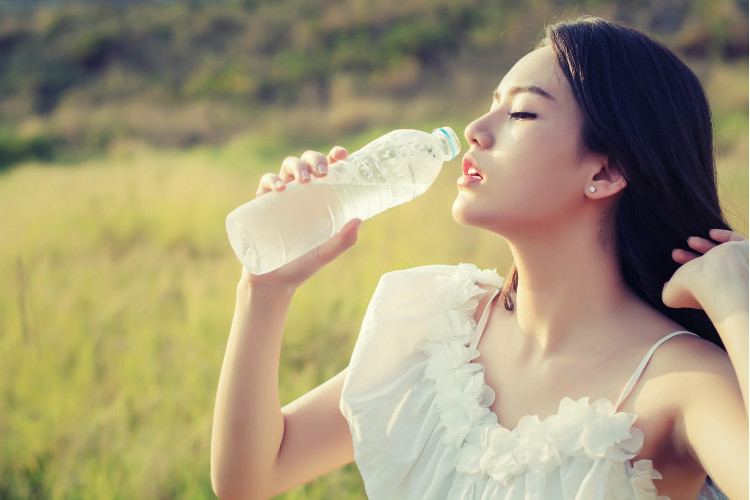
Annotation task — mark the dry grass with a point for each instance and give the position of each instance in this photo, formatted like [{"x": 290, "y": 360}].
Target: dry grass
[
  {"x": 116, "y": 303},
  {"x": 117, "y": 299}
]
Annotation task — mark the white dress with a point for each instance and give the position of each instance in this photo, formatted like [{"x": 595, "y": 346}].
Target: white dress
[{"x": 418, "y": 409}]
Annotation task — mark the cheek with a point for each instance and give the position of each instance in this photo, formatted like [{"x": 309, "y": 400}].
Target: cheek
[
  {"x": 543, "y": 148},
  {"x": 533, "y": 179},
  {"x": 539, "y": 162}
]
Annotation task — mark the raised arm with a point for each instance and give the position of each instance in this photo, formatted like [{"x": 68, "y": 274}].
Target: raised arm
[
  {"x": 258, "y": 449},
  {"x": 712, "y": 429},
  {"x": 248, "y": 425}
]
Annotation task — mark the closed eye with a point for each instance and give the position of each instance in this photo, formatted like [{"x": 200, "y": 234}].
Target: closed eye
[{"x": 522, "y": 115}]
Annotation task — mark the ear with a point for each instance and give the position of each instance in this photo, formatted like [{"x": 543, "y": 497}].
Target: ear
[{"x": 606, "y": 179}]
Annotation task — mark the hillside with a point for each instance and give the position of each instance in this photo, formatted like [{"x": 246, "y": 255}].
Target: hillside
[{"x": 81, "y": 76}]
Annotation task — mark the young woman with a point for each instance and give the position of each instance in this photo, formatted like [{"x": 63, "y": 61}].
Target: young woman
[{"x": 595, "y": 163}]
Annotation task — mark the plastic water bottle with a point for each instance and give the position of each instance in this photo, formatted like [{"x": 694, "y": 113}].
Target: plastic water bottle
[{"x": 278, "y": 227}]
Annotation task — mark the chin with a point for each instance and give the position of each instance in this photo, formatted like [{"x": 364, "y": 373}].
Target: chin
[
  {"x": 466, "y": 213},
  {"x": 457, "y": 210},
  {"x": 463, "y": 214}
]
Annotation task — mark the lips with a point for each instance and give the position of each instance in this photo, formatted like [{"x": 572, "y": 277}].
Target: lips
[{"x": 470, "y": 169}]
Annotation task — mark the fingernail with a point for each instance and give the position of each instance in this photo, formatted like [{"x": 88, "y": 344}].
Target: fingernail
[
  {"x": 279, "y": 183},
  {"x": 305, "y": 175},
  {"x": 322, "y": 169},
  {"x": 688, "y": 240},
  {"x": 665, "y": 286}
]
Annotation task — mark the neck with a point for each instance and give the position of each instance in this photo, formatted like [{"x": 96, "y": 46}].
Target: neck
[{"x": 569, "y": 288}]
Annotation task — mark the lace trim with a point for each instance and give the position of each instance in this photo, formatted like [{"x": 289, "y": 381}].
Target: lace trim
[{"x": 485, "y": 448}]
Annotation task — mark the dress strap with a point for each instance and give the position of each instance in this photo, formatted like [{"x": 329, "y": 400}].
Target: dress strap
[
  {"x": 642, "y": 366},
  {"x": 482, "y": 322}
]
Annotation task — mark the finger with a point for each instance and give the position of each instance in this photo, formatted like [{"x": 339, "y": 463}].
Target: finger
[
  {"x": 317, "y": 163},
  {"x": 270, "y": 182},
  {"x": 724, "y": 235},
  {"x": 337, "y": 154},
  {"x": 334, "y": 247},
  {"x": 294, "y": 169},
  {"x": 699, "y": 244},
  {"x": 683, "y": 256}
]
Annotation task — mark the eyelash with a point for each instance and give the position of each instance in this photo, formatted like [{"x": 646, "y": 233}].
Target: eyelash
[{"x": 517, "y": 113}]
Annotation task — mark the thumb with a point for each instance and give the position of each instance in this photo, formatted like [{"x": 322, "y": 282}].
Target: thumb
[{"x": 337, "y": 245}]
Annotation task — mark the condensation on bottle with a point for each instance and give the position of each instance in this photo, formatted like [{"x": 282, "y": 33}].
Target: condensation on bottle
[{"x": 278, "y": 227}]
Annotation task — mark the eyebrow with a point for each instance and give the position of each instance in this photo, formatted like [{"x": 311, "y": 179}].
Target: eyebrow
[{"x": 514, "y": 91}]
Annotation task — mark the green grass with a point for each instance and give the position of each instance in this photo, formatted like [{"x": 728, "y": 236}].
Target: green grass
[
  {"x": 117, "y": 298},
  {"x": 77, "y": 76},
  {"x": 116, "y": 303}
]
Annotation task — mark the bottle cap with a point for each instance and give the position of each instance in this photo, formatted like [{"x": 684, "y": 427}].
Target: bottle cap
[{"x": 451, "y": 139}]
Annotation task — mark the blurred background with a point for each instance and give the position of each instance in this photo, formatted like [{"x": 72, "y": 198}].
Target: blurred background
[{"x": 129, "y": 130}]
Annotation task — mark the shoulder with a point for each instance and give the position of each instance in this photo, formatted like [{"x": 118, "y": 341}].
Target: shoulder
[
  {"x": 486, "y": 278},
  {"x": 702, "y": 379},
  {"x": 690, "y": 356},
  {"x": 429, "y": 270},
  {"x": 691, "y": 362},
  {"x": 697, "y": 368},
  {"x": 411, "y": 291},
  {"x": 415, "y": 279},
  {"x": 682, "y": 355}
]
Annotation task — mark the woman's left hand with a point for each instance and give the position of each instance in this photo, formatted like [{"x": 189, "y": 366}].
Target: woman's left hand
[{"x": 722, "y": 266}]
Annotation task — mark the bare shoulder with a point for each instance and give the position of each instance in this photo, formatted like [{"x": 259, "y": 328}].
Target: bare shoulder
[
  {"x": 688, "y": 364},
  {"x": 704, "y": 383},
  {"x": 692, "y": 355}
]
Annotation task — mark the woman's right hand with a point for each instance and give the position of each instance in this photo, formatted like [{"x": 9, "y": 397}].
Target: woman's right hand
[{"x": 293, "y": 274}]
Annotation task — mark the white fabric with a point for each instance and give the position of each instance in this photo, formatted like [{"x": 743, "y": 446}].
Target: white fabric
[{"x": 418, "y": 409}]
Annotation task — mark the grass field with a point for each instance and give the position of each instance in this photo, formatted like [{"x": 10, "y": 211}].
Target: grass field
[
  {"x": 117, "y": 280},
  {"x": 116, "y": 300}
]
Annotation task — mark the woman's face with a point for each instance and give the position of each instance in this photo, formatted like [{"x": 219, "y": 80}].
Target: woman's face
[{"x": 526, "y": 148}]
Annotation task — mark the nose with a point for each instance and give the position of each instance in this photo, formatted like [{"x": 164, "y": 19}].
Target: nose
[{"x": 476, "y": 134}]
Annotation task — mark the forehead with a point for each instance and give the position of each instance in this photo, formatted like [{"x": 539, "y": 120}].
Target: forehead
[{"x": 537, "y": 68}]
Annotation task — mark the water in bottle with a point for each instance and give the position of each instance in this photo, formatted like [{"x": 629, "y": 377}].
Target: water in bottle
[{"x": 278, "y": 227}]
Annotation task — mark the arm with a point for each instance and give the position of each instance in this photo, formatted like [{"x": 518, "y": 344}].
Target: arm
[
  {"x": 728, "y": 311},
  {"x": 248, "y": 424},
  {"x": 259, "y": 450},
  {"x": 713, "y": 426}
]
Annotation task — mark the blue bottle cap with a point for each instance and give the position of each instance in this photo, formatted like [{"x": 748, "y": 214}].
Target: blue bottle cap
[{"x": 452, "y": 139}]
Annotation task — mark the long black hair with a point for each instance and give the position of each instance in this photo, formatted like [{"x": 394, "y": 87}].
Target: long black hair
[{"x": 648, "y": 113}]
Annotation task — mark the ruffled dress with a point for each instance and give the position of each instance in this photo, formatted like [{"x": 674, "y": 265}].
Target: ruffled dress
[{"x": 418, "y": 409}]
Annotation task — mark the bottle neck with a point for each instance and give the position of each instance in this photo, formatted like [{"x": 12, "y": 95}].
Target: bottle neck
[{"x": 448, "y": 142}]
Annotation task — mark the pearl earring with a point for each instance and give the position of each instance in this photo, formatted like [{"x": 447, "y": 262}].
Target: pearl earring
[{"x": 592, "y": 189}]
